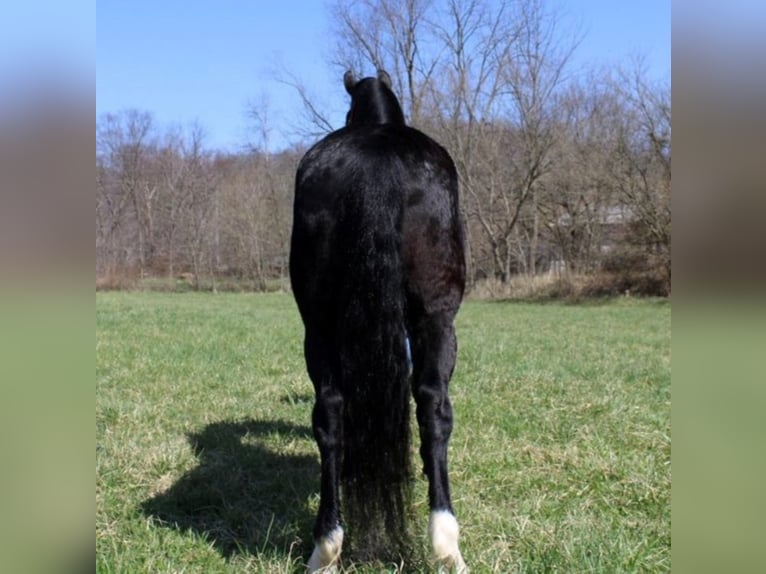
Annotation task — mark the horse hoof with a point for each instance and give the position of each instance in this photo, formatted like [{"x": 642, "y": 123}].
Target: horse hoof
[
  {"x": 326, "y": 553},
  {"x": 444, "y": 532},
  {"x": 452, "y": 564}
]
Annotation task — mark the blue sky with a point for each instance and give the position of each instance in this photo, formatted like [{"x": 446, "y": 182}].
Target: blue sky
[{"x": 206, "y": 61}]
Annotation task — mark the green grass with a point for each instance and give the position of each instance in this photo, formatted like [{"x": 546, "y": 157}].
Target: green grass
[{"x": 560, "y": 458}]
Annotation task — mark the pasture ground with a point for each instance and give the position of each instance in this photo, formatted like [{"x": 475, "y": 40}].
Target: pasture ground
[{"x": 560, "y": 458}]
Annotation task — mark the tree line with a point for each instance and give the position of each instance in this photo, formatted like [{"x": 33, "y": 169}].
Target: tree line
[{"x": 563, "y": 173}]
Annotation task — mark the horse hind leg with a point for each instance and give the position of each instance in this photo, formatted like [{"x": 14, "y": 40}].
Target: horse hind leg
[
  {"x": 326, "y": 553},
  {"x": 444, "y": 532},
  {"x": 327, "y": 428},
  {"x": 434, "y": 360},
  {"x": 328, "y": 532}
]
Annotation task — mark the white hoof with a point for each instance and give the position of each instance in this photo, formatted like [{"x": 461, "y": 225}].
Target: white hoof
[
  {"x": 326, "y": 553},
  {"x": 444, "y": 532}
]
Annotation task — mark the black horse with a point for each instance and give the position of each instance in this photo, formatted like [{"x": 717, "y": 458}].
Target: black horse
[{"x": 377, "y": 268}]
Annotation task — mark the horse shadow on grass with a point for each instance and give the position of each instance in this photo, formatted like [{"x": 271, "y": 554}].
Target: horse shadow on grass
[{"x": 242, "y": 496}]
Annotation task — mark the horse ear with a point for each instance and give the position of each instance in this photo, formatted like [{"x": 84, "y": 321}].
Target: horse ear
[
  {"x": 349, "y": 81},
  {"x": 384, "y": 77}
]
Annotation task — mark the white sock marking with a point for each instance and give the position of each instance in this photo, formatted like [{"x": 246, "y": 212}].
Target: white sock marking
[
  {"x": 444, "y": 532},
  {"x": 326, "y": 553}
]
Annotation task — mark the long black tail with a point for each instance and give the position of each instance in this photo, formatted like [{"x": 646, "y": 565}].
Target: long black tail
[{"x": 376, "y": 469}]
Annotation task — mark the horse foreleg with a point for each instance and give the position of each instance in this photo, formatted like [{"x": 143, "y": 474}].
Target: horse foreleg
[
  {"x": 328, "y": 532},
  {"x": 434, "y": 362}
]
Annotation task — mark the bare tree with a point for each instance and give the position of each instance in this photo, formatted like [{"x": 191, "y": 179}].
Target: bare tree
[
  {"x": 392, "y": 34},
  {"x": 315, "y": 121},
  {"x": 257, "y": 202},
  {"x": 125, "y": 142},
  {"x": 464, "y": 105},
  {"x": 174, "y": 173},
  {"x": 577, "y": 203},
  {"x": 535, "y": 76},
  {"x": 640, "y": 166},
  {"x": 505, "y": 68},
  {"x": 111, "y": 207},
  {"x": 199, "y": 195}
]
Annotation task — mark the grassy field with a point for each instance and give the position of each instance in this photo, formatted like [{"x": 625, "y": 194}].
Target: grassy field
[{"x": 560, "y": 459}]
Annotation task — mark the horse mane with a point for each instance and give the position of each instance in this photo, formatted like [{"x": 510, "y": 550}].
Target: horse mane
[{"x": 373, "y": 102}]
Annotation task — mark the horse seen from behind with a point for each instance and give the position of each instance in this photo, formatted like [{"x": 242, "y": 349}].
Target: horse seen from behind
[{"x": 378, "y": 272}]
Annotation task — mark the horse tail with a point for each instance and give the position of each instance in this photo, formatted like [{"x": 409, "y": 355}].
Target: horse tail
[{"x": 375, "y": 365}]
